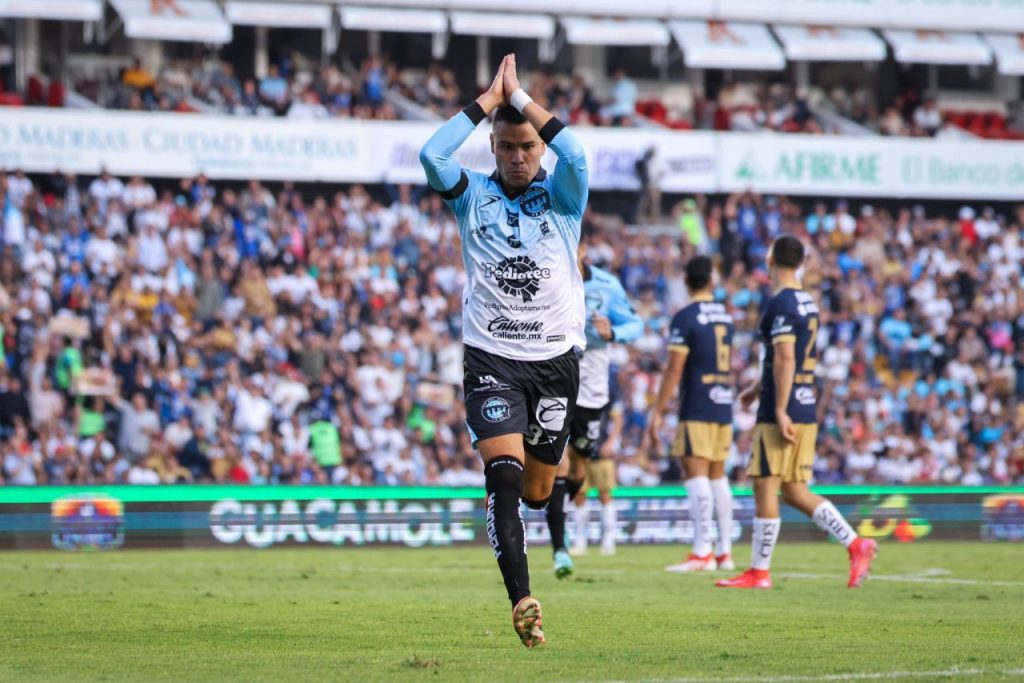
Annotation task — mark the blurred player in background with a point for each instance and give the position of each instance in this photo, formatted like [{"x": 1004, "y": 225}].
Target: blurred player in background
[
  {"x": 523, "y": 309},
  {"x": 786, "y": 430},
  {"x": 611, "y": 319},
  {"x": 699, "y": 364}
]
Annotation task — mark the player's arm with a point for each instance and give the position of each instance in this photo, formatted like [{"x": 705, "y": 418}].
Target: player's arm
[
  {"x": 678, "y": 352},
  {"x": 570, "y": 179},
  {"x": 782, "y": 372},
  {"x": 626, "y": 324},
  {"x": 444, "y": 173}
]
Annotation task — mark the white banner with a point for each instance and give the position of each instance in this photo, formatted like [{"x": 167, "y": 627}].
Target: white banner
[
  {"x": 179, "y": 145},
  {"x": 870, "y": 167},
  {"x": 223, "y": 147},
  {"x": 687, "y": 159}
]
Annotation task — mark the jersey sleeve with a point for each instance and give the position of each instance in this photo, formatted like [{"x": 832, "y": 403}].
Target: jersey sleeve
[
  {"x": 570, "y": 181},
  {"x": 444, "y": 173},
  {"x": 784, "y": 321},
  {"x": 626, "y": 324},
  {"x": 679, "y": 333}
]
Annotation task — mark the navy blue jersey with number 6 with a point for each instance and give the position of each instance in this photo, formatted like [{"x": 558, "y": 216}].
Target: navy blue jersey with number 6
[{"x": 704, "y": 330}]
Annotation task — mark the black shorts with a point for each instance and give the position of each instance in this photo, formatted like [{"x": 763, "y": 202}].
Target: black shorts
[
  {"x": 587, "y": 430},
  {"x": 532, "y": 398}
]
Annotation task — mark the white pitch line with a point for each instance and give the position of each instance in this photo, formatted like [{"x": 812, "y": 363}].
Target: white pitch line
[{"x": 864, "y": 676}]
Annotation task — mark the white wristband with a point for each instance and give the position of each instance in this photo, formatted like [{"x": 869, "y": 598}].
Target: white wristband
[{"x": 519, "y": 100}]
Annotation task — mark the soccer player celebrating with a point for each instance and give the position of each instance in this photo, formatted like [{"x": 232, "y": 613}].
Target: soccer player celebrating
[
  {"x": 699, "y": 362},
  {"x": 611, "y": 319},
  {"x": 786, "y": 429},
  {"x": 523, "y": 309}
]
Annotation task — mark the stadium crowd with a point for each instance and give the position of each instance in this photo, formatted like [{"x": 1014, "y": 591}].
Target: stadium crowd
[{"x": 251, "y": 335}]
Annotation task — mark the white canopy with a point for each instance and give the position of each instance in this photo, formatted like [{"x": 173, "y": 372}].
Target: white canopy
[
  {"x": 951, "y": 15},
  {"x": 279, "y": 14},
  {"x": 397, "y": 20},
  {"x": 1009, "y": 49},
  {"x": 648, "y": 8},
  {"x": 65, "y": 10},
  {"x": 587, "y": 31},
  {"x": 938, "y": 47},
  {"x": 727, "y": 45},
  {"x": 539, "y": 26},
  {"x": 830, "y": 44},
  {"x": 199, "y": 21}
]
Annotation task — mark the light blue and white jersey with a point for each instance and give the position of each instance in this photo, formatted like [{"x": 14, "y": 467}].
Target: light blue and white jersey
[
  {"x": 524, "y": 293},
  {"x": 606, "y": 296}
]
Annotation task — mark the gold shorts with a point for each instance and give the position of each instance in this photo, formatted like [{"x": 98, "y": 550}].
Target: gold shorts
[
  {"x": 708, "y": 440},
  {"x": 773, "y": 456},
  {"x": 601, "y": 474}
]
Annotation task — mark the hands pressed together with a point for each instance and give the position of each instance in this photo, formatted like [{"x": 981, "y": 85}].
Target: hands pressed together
[{"x": 506, "y": 82}]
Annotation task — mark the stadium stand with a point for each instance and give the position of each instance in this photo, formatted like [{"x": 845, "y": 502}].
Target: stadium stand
[{"x": 207, "y": 332}]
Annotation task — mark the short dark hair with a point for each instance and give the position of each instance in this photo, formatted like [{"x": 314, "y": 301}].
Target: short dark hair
[
  {"x": 509, "y": 114},
  {"x": 698, "y": 272},
  {"x": 788, "y": 252}
]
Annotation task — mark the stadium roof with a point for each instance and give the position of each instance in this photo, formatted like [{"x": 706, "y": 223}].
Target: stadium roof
[
  {"x": 539, "y": 26},
  {"x": 201, "y": 21},
  {"x": 279, "y": 14},
  {"x": 938, "y": 47},
  {"x": 727, "y": 45},
  {"x": 398, "y": 20},
  {"x": 1009, "y": 50},
  {"x": 587, "y": 31},
  {"x": 67, "y": 10},
  {"x": 828, "y": 44}
]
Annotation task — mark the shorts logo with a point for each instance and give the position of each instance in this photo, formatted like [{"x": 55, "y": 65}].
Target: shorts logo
[
  {"x": 495, "y": 409},
  {"x": 535, "y": 202},
  {"x": 551, "y": 413},
  {"x": 518, "y": 275}
]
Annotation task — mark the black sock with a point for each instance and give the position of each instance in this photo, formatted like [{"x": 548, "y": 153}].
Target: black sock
[
  {"x": 556, "y": 515},
  {"x": 572, "y": 487},
  {"x": 505, "y": 528}
]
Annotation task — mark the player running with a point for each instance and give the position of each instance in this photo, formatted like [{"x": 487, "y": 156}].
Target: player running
[
  {"x": 523, "y": 309},
  {"x": 699, "y": 363},
  {"x": 611, "y": 319},
  {"x": 786, "y": 430}
]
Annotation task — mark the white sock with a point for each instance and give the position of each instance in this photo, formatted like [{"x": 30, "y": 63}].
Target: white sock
[
  {"x": 609, "y": 520},
  {"x": 722, "y": 494},
  {"x": 581, "y": 520},
  {"x": 766, "y": 534},
  {"x": 698, "y": 490},
  {"x": 828, "y": 519}
]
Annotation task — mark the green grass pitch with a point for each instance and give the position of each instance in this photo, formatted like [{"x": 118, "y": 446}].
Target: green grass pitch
[{"x": 932, "y": 611}]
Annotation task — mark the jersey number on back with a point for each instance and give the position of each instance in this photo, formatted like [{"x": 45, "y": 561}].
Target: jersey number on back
[
  {"x": 721, "y": 348},
  {"x": 809, "y": 362}
]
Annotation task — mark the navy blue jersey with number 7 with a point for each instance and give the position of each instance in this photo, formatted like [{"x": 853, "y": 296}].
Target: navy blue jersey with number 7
[{"x": 791, "y": 316}]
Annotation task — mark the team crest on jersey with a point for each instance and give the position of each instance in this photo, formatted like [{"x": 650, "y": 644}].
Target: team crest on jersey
[
  {"x": 535, "y": 202},
  {"x": 518, "y": 276},
  {"x": 495, "y": 409}
]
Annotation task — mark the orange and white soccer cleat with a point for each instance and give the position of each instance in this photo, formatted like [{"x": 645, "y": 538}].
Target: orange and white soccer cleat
[
  {"x": 526, "y": 619},
  {"x": 694, "y": 563},
  {"x": 862, "y": 552},
  {"x": 752, "y": 578},
  {"x": 725, "y": 562}
]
